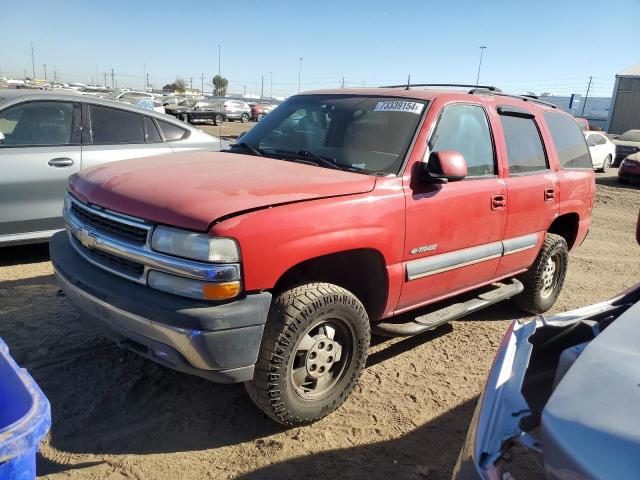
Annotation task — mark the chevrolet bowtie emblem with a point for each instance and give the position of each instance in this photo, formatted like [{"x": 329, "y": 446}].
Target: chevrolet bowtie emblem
[{"x": 86, "y": 238}]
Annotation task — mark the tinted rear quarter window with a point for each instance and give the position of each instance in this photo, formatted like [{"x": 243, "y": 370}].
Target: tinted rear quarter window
[
  {"x": 568, "y": 141},
  {"x": 152, "y": 134},
  {"x": 109, "y": 126},
  {"x": 171, "y": 132},
  {"x": 524, "y": 146}
]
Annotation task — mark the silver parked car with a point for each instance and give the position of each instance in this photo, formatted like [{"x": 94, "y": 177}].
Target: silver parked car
[
  {"x": 45, "y": 137},
  {"x": 561, "y": 401}
]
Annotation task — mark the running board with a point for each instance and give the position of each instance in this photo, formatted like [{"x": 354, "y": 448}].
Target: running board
[{"x": 429, "y": 321}]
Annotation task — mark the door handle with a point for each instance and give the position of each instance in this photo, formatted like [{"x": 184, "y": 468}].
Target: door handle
[
  {"x": 60, "y": 162},
  {"x": 498, "y": 202},
  {"x": 549, "y": 194}
]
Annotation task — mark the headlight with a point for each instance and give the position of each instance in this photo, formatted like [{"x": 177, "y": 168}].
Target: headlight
[
  {"x": 188, "y": 287},
  {"x": 196, "y": 246}
]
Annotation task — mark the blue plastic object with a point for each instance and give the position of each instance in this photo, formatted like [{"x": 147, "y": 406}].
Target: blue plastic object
[{"x": 25, "y": 418}]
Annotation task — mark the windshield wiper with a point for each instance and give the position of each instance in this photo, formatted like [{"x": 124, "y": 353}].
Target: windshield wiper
[
  {"x": 313, "y": 158},
  {"x": 245, "y": 146}
]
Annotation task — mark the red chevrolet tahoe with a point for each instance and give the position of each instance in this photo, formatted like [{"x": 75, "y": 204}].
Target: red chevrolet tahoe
[{"x": 273, "y": 262}]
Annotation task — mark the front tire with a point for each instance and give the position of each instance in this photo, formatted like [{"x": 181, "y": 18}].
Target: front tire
[
  {"x": 218, "y": 120},
  {"x": 313, "y": 350},
  {"x": 606, "y": 164},
  {"x": 244, "y": 118},
  {"x": 543, "y": 281}
]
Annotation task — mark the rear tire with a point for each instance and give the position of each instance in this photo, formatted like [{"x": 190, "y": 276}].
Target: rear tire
[
  {"x": 244, "y": 118},
  {"x": 218, "y": 120},
  {"x": 543, "y": 281},
  {"x": 605, "y": 165},
  {"x": 313, "y": 350}
]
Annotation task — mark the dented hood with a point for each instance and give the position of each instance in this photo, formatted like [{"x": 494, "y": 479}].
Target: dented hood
[{"x": 191, "y": 190}]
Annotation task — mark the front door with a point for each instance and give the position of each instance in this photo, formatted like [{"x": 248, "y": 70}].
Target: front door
[
  {"x": 454, "y": 230},
  {"x": 40, "y": 150}
]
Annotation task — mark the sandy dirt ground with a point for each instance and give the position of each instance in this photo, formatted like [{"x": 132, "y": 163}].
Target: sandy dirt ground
[{"x": 117, "y": 416}]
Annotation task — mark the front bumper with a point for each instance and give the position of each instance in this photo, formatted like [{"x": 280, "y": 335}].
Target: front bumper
[{"x": 219, "y": 342}]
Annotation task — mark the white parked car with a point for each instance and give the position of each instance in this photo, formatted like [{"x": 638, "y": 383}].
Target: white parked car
[{"x": 602, "y": 150}]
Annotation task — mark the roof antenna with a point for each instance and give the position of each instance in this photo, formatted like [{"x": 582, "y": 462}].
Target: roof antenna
[{"x": 408, "y": 82}]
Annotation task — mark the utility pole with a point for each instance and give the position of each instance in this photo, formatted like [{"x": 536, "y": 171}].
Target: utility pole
[
  {"x": 105, "y": 79},
  {"x": 480, "y": 64},
  {"x": 44, "y": 65},
  {"x": 147, "y": 84},
  {"x": 271, "y": 87},
  {"x": 202, "y": 83},
  {"x": 219, "y": 59},
  {"x": 244, "y": 91},
  {"x": 144, "y": 76},
  {"x": 24, "y": 74},
  {"x": 97, "y": 76},
  {"x": 299, "y": 72},
  {"x": 191, "y": 83},
  {"x": 261, "y": 86},
  {"x": 55, "y": 75},
  {"x": 33, "y": 62},
  {"x": 584, "y": 104},
  {"x": 342, "y": 83}
]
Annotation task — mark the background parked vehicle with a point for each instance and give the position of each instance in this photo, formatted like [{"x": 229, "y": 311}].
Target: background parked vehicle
[
  {"x": 260, "y": 109},
  {"x": 190, "y": 110},
  {"x": 563, "y": 393},
  {"x": 236, "y": 110},
  {"x": 602, "y": 150},
  {"x": 626, "y": 144},
  {"x": 42, "y": 143},
  {"x": 629, "y": 170}
]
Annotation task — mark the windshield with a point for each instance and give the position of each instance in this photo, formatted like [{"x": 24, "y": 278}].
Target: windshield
[
  {"x": 370, "y": 134},
  {"x": 630, "y": 136}
]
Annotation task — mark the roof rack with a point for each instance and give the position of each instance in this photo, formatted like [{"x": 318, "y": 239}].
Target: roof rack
[
  {"x": 458, "y": 85},
  {"x": 487, "y": 89},
  {"x": 527, "y": 98}
]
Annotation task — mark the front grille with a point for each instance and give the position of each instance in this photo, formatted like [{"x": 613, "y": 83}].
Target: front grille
[
  {"x": 113, "y": 228},
  {"x": 111, "y": 262}
]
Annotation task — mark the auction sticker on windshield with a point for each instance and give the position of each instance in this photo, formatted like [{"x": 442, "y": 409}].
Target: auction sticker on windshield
[{"x": 399, "y": 106}]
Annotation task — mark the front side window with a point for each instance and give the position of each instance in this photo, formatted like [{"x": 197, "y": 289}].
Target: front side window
[
  {"x": 525, "y": 153},
  {"x": 569, "y": 141},
  {"x": 113, "y": 126},
  {"x": 464, "y": 128},
  {"x": 38, "y": 123},
  {"x": 357, "y": 133}
]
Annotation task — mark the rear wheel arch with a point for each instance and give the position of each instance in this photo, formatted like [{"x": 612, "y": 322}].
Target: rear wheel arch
[
  {"x": 566, "y": 225},
  {"x": 360, "y": 271}
]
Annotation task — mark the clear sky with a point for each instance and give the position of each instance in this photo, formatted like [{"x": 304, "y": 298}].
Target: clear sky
[{"x": 534, "y": 46}]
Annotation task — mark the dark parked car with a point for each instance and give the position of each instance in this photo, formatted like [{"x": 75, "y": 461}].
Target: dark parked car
[{"x": 626, "y": 144}]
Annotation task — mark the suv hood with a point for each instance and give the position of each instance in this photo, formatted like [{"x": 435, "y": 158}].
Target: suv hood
[{"x": 191, "y": 190}]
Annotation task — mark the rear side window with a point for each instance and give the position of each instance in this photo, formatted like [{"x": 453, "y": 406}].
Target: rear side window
[
  {"x": 569, "y": 141},
  {"x": 524, "y": 146},
  {"x": 171, "y": 132},
  {"x": 111, "y": 126},
  {"x": 464, "y": 128}
]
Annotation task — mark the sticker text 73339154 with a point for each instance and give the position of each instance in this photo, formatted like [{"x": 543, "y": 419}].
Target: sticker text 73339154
[{"x": 399, "y": 106}]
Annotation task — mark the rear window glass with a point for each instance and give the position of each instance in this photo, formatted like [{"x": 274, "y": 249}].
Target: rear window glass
[
  {"x": 630, "y": 136},
  {"x": 569, "y": 141},
  {"x": 171, "y": 132},
  {"x": 524, "y": 146},
  {"x": 109, "y": 126},
  {"x": 152, "y": 132}
]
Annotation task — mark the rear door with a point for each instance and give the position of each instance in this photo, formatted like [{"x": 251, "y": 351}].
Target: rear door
[
  {"x": 113, "y": 134},
  {"x": 40, "y": 151},
  {"x": 454, "y": 230},
  {"x": 532, "y": 188}
]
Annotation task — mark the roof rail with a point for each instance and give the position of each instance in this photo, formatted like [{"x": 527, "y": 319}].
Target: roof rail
[
  {"x": 459, "y": 85},
  {"x": 527, "y": 98}
]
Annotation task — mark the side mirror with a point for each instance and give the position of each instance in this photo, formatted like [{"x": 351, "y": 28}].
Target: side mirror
[
  {"x": 2, "y": 138},
  {"x": 445, "y": 166}
]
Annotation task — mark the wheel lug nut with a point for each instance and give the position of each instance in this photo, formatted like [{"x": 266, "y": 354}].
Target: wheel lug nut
[
  {"x": 313, "y": 355},
  {"x": 320, "y": 345},
  {"x": 329, "y": 359},
  {"x": 329, "y": 347},
  {"x": 312, "y": 367},
  {"x": 321, "y": 369}
]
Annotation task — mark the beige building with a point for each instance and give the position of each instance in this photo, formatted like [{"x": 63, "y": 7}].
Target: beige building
[{"x": 625, "y": 102}]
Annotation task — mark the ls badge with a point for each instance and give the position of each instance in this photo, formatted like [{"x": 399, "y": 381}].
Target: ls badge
[{"x": 426, "y": 248}]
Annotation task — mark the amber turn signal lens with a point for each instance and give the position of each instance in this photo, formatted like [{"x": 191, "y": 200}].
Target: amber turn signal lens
[{"x": 220, "y": 291}]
